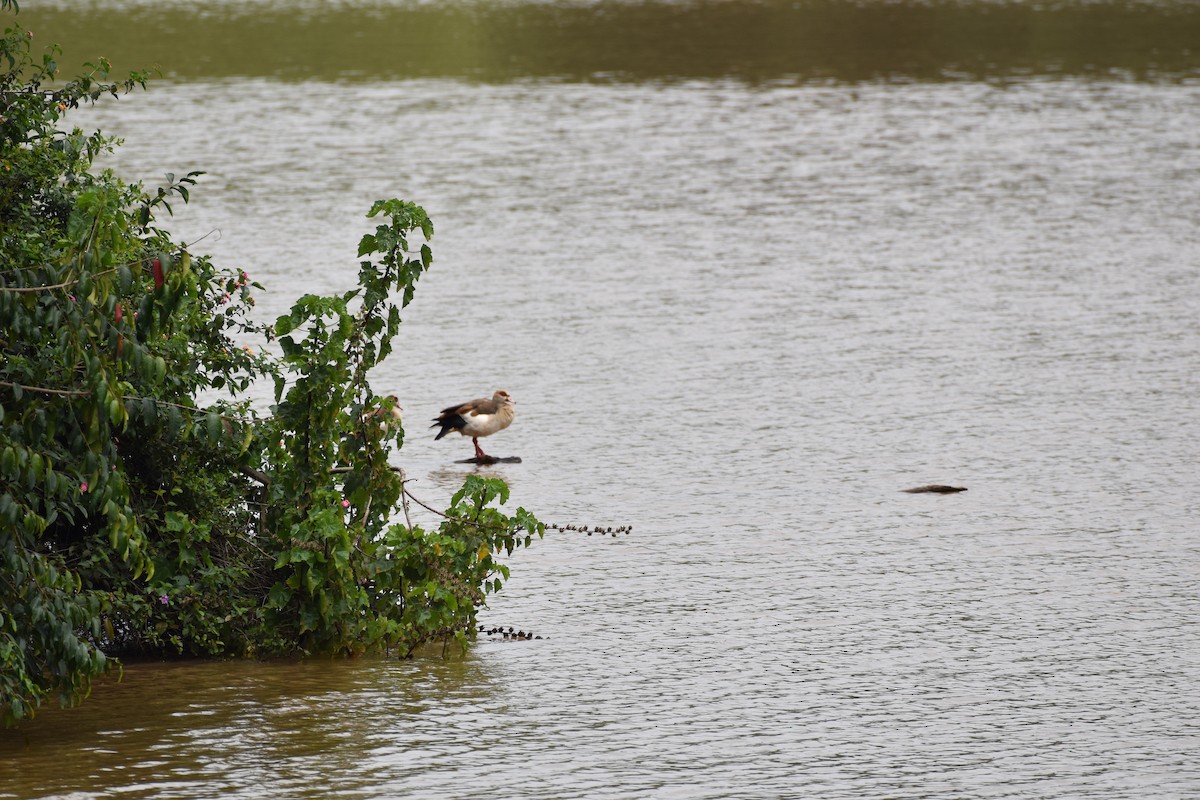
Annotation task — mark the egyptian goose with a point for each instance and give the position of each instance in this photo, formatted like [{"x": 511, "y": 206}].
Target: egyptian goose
[
  {"x": 477, "y": 418},
  {"x": 387, "y": 411}
]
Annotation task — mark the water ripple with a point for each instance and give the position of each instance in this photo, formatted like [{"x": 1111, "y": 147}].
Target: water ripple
[{"x": 767, "y": 311}]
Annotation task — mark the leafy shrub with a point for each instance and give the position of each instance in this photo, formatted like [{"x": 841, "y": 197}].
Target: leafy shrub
[{"x": 137, "y": 518}]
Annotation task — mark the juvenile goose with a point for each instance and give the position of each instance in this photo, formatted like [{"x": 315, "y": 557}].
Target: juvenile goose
[
  {"x": 388, "y": 411},
  {"x": 477, "y": 418}
]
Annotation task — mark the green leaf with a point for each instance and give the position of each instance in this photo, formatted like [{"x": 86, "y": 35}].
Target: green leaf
[
  {"x": 174, "y": 422},
  {"x": 367, "y": 245},
  {"x": 213, "y": 424},
  {"x": 279, "y": 596}
]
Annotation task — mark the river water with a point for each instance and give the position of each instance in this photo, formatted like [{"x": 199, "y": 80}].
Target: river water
[{"x": 745, "y": 288}]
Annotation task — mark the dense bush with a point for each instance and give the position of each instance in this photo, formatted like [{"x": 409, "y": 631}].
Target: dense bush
[{"x": 138, "y": 515}]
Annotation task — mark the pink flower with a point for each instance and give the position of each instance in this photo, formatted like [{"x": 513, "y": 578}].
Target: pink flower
[
  {"x": 83, "y": 487},
  {"x": 345, "y": 504},
  {"x": 164, "y": 599}
]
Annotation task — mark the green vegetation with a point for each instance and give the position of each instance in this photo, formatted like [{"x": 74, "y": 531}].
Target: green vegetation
[
  {"x": 765, "y": 41},
  {"x": 138, "y": 514}
]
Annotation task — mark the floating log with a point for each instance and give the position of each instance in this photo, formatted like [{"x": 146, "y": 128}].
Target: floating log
[{"x": 490, "y": 460}]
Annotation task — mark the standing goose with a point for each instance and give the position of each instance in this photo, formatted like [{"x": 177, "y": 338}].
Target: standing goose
[{"x": 477, "y": 418}]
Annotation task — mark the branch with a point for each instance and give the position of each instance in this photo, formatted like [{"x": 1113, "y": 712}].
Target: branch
[
  {"x": 411, "y": 496},
  {"x": 434, "y": 510},
  {"x": 52, "y": 286},
  {"x": 407, "y": 495},
  {"x": 79, "y": 393},
  {"x": 65, "y": 284},
  {"x": 343, "y": 470},
  {"x": 43, "y": 390},
  {"x": 250, "y": 472}
]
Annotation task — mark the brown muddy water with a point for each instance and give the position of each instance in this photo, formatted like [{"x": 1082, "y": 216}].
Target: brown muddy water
[{"x": 749, "y": 270}]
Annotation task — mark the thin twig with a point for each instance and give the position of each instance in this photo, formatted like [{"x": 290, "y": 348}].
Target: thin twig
[
  {"x": 96, "y": 274},
  {"x": 265, "y": 480},
  {"x": 434, "y": 510},
  {"x": 217, "y": 231},
  {"x": 79, "y": 393},
  {"x": 443, "y": 515},
  {"x": 409, "y": 495},
  {"x": 43, "y": 390},
  {"x": 404, "y": 501},
  {"x": 61, "y": 285}
]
